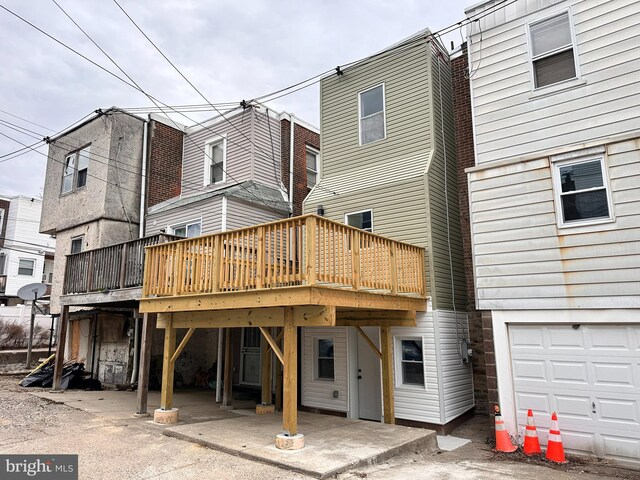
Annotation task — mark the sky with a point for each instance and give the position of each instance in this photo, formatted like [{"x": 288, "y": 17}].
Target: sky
[{"x": 230, "y": 50}]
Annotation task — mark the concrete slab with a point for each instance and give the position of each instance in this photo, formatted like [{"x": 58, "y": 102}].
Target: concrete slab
[
  {"x": 332, "y": 444},
  {"x": 449, "y": 443}
]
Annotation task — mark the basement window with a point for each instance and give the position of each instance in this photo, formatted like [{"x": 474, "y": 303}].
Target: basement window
[
  {"x": 410, "y": 362},
  {"x": 187, "y": 230},
  {"x": 325, "y": 359},
  {"x": 362, "y": 220}
]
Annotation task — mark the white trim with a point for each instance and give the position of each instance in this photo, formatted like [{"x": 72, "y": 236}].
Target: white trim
[
  {"x": 213, "y": 141},
  {"x": 223, "y": 220},
  {"x": 357, "y": 212},
  {"x": 171, "y": 228},
  {"x": 549, "y": 16},
  {"x": 576, "y": 158},
  {"x": 384, "y": 114},
  {"x": 397, "y": 361},
  {"x": 34, "y": 263}
]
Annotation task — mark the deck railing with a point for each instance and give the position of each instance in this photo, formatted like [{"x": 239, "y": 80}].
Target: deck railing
[
  {"x": 109, "y": 268},
  {"x": 306, "y": 250}
]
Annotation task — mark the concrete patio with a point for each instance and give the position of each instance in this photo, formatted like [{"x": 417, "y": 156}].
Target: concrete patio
[{"x": 332, "y": 444}]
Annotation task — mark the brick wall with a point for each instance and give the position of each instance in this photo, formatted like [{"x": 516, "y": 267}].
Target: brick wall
[
  {"x": 481, "y": 331},
  {"x": 165, "y": 163},
  {"x": 302, "y": 137}
]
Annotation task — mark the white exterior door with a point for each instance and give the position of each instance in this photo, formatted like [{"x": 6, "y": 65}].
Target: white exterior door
[
  {"x": 369, "y": 383},
  {"x": 590, "y": 376}
]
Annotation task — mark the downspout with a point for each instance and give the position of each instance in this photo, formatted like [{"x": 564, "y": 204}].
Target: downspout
[
  {"x": 291, "y": 150},
  {"x": 143, "y": 176},
  {"x": 136, "y": 349}
]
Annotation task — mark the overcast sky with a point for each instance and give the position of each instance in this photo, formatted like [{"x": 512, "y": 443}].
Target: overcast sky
[{"x": 230, "y": 50}]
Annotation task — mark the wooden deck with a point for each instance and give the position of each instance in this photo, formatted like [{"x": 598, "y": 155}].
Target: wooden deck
[{"x": 302, "y": 271}]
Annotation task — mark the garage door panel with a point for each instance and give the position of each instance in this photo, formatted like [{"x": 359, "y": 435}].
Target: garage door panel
[{"x": 590, "y": 376}]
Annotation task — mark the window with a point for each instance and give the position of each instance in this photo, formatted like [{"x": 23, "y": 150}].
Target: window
[
  {"x": 2, "y": 261},
  {"x": 552, "y": 52},
  {"x": 325, "y": 359},
  {"x": 76, "y": 244},
  {"x": 26, "y": 267},
  {"x": 187, "y": 230},
  {"x": 372, "y": 116},
  {"x": 215, "y": 161},
  {"x": 312, "y": 167},
  {"x": 362, "y": 220},
  {"x": 75, "y": 172},
  {"x": 581, "y": 189},
  {"x": 412, "y": 362}
]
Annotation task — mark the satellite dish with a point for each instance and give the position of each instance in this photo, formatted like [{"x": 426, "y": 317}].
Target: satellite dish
[{"x": 32, "y": 291}]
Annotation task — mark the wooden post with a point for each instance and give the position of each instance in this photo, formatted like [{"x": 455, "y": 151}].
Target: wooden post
[
  {"x": 279, "y": 379},
  {"x": 260, "y": 260},
  {"x": 89, "y": 282},
  {"x": 148, "y": 325},
  {"x": 355, "y": 260},
  {"x": 386, "y": 344},
  {"x": 393, "y": 268},
  {"x": 290, "y": 390},
  {"x": 265, "y": 366},
  {"x": 228, "y": 369},
  {"x": 166, "y": 396},
  {"x": 310, "y": 250},
  {"x": 60, "y": 346},
  {"x": 217, "y": 258}
]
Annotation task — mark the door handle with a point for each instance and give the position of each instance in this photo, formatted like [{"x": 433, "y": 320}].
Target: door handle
[{"x": 359, "y": 377}]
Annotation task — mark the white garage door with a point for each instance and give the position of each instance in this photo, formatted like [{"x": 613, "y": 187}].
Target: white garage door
[{"x": 589, "y": 375}]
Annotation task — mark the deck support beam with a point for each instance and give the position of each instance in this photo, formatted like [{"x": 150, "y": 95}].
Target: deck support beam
[
  {"x": 369, "y": 342},
  {"x": 265, "y": 368},
  {"x": 386, "y": 344},
  {"x": 148, "y": 325},
  {"x": 290, "y": 380},
  {"x": 60, "y": 347},
  {"x": 228, "y": 369},
  {"x": 166, "y": 396}
]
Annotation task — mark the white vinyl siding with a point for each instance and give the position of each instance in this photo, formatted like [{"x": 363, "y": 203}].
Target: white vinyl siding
[
  {"x": 512, "y": 121},
  {"x": 523, "y": 261},
  {"x": 242, "y": 214},
  {"x": 319, "y": 392},
  {"x": 208, "y": 210}
]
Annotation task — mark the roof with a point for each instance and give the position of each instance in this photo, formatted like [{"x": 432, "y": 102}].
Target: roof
[
  {"x": 249, "y": 191},
  {"x": 97, "y": 114}
]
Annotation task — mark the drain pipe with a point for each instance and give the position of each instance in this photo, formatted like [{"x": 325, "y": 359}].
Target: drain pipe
[
  {"x": 143, "y": 176},
  {"x": 292, "y": 123},
  {"x": 221, "y": 332}
]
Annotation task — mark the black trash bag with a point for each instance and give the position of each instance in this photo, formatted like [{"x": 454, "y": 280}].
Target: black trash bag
[{"x": 71, "y": 377}]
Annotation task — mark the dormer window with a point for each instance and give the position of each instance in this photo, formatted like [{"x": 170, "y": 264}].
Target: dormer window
[
  {"x": 372, "y": 115},
  {"x": 76, "y": 167},
  {"x": 215, "y": 161},
  {"x": 552, "y": 50}
]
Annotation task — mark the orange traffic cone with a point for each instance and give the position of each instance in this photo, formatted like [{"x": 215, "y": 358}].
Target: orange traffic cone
[
  {"x": 555, "y": 451},
  {"x": 503, "y": 442},
  {"x": 531, "y": 443}
]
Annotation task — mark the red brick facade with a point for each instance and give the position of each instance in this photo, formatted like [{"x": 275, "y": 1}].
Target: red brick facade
[
  {"x": 302, "y": 138},
  {"x": 164, "y": 172},
  {"x": 481, "y": 331}
]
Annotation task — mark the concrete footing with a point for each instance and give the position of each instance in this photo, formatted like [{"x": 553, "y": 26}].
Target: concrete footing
[
  {"x": 165, "y": 417},
  {"x": 285, "y": 441},
  {"x": 264, "y": 409}
]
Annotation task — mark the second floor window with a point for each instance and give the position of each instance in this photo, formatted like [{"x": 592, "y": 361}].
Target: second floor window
[
  {"x": 76, "y": 244},
  {"x": 552, "y": 52},
  {"x": 215, "y": 161},
  {"x": 26, "y": 267},
  {"x": 76, "y": 167},
  {"x": 362, "y": 220},
  {"x": 312, "y": 167},
  {"x": 372, "y": 116},
  {"x": 187, "y": 230}
]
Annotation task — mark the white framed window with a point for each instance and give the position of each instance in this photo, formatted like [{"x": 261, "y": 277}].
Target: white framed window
[
  {"x": 77, "y": 244},
  {"x": 313, "y": 166},
  {"x": 409, "y": 360},
  {"x": 553, "y": 57},
  {"x": 76, "y": 169},
  {"x": 325, "y": 359},
  {"x": 2, "y": 263},
  {"x": 371, "y": 113},
  {"x": 362, "y": 220},
  {"x": 582, "y": 188},
  {"x": 215, "y": 161},
  {"x": 26, "y": 267},
  {"x": 187, "y": 230}
]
